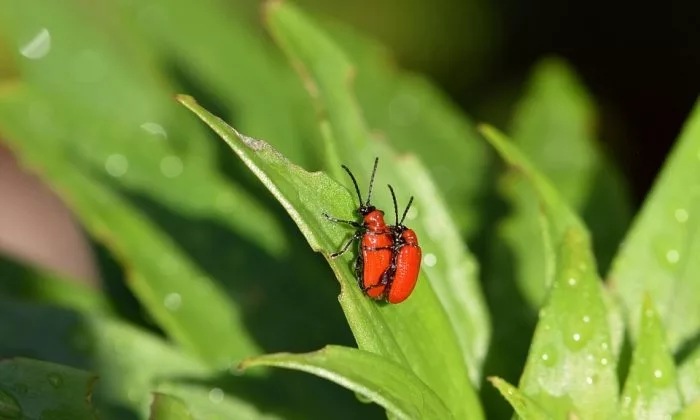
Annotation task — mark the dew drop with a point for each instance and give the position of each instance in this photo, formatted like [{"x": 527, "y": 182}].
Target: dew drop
[
  {"x": 545, "y": 357},
  {"x": 589, "y": 380},
  {"x": 681, "y": 215},
  {"x": 55, "y": 379},
  {"x": 430, "y": 260},
  {"x": 9, "y": 407},
  {"x": 576, "y": 337},
  {"x": 116, "y": 165},
  {"x": 572, "y": 281},
  {"x": 549, "y": 356},
  {"x": 658, "y": 373},
  {"x": 672, "y": 256},
  {"x": 171, "y": 166},
  {"x": 38, "y": 46},
  {"x": 604, "y": 345},
  {"x": 216, "y": 395},
  {"x": 172, "y": 301},
  {"x": 604, "y": 361},
  {"x": 586, "y": 319},
  {"x": 154, "y": 128}
]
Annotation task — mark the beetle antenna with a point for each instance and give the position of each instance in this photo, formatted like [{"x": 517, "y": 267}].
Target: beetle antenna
[
  {"x": 405, "y": 212},
  {"x": 354, "y": 181},
  {"x": 371, "y": 181},
  {"x": 396, "y": 208}
]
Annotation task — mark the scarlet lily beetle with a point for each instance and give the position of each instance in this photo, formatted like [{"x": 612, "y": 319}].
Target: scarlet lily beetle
[
  {"x": 406, "y": 258},
  {"x": 375, "y": 253}
]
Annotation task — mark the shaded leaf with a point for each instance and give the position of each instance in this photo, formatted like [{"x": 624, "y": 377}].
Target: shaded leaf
[
  {"x": 376, "y": 378},
  {"x": 37, "y": 285},
  {"x": 167, "y": 407},
  {"x": 650, "y": 390},
  {"x": 524, "y": 406},
  {"x": 33, "y": 390},
  {"x": 657, "y": 255},
  {"x": 397, "y": 332}
]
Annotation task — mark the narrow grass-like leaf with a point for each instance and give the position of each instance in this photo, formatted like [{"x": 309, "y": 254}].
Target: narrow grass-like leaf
[
  {"x": 35, "y": 390},
  {"x": 328, "y": 76},
  {"x": 376, "y": 378},
  {"x": 650, "y": 391},
  {"x": 658, "y": 255},
  {"x": 397, "y": 332},
  {"x": 167, "y": 407},
  {"x": 571, "y": 363},
  {"x": 525, "y": 408}
]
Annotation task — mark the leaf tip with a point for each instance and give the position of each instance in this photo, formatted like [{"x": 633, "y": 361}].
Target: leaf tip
[{"x": 185, "y": 99}]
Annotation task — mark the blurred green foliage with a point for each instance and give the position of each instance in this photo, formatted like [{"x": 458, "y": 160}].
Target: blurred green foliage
[{"x": 210, "y": 249}]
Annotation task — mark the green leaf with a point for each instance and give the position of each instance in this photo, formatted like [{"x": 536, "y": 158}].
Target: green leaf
[
  {"x": 128, "y": 360},
  {"x": 37, "y": 285},
  {"x": 213, "y": 403},
  {"x": 650, "y": 390},
  {"x": 374, "y": 377},
  {"x": 555, "y": 126},
  {"x": 327, "y": 74},
  {"x": 167, "y": 407},
  {"x": 397, "y": 332},
  {"x": 524, "y": 406},
  {"x": 690, "y": 412},
  {"x": 572, "y": 361},
  {"x": 33, "y": 390},
  {"x": 657, "y": 255},
  {"x": 689, "y": 376}
]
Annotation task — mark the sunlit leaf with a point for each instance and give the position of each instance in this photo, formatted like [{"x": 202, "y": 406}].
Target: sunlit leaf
[
  {"x": 571, "y": 367},
  {"x": 524, "y": 406},
  {"x": 650, "y": 390},
  {"x": 657, "y": 255},
  {"x": 167, "y": 407}
]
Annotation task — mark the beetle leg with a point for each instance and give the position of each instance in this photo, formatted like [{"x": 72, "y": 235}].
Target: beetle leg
[
  {"x": 352, "y": 223},
  {"x": 345, "y": 248}
]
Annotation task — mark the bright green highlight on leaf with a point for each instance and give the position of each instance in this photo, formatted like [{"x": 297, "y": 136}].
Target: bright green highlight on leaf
[
  {"x": 650, "y": 391},
  {"x": 378, "y": 379},
  {"x": 525, "y": 408},
  {"x": 659, "y": 255}
]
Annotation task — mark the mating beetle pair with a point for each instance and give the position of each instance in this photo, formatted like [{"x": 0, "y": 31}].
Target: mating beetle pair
[{"x": 389, "y": 257}]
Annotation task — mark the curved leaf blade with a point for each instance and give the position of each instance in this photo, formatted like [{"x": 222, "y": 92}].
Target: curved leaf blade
[
  {"x": 33, "y": 390},
  {"x": 650, "y": 390},
  {"x": 658, "y": 255},
  {"x": 524, "y": 406},
  {"x": 397, "y": 332},
  {"x": 378, "y": 379}
]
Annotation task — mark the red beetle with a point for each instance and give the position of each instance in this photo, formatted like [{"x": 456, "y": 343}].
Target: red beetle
[
  {"x": 402, "y": 275},
  {"x": 376, "y": 247}
]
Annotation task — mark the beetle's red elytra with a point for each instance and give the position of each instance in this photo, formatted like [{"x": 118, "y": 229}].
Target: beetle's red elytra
[{"x": 388, "y": 260}]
